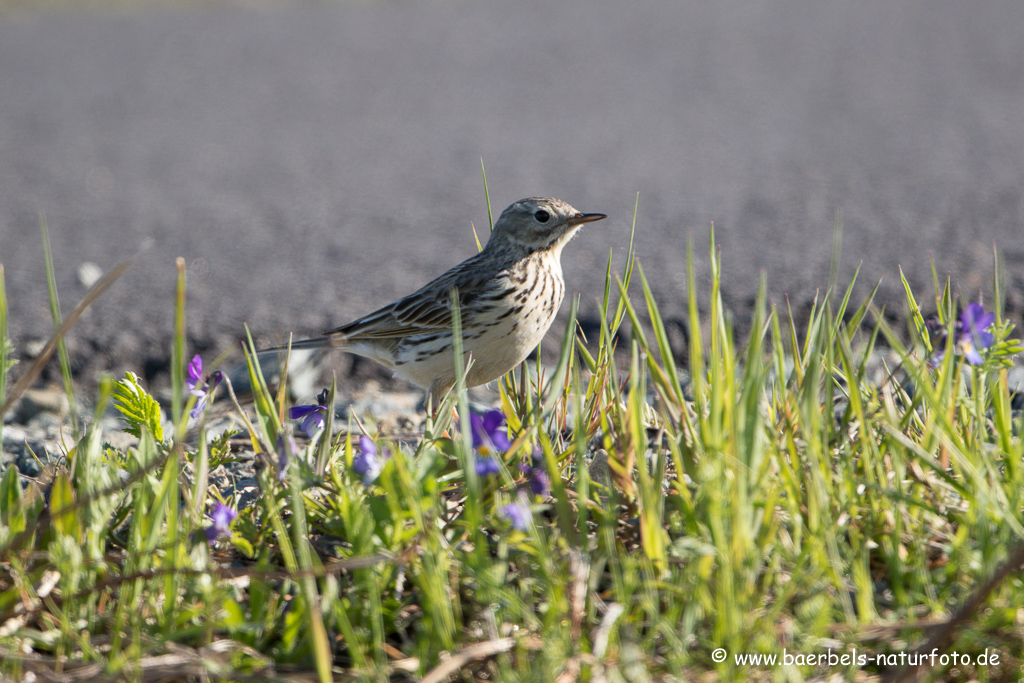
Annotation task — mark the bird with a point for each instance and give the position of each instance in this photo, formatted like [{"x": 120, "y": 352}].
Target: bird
[{"x": 508, "y": 295}]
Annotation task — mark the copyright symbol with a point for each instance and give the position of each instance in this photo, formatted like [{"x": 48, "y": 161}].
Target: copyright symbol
[{"x": 718, "y": 655}]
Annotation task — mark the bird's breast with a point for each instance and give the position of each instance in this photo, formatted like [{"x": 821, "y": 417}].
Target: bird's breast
[{"x": 534, "y": 290}]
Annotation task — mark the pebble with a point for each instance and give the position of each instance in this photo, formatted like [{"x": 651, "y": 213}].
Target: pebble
[
  {"x": 34, "y": 402},
  {"x": 31, "y": 447},
  {"x": 89, "y": 273}
]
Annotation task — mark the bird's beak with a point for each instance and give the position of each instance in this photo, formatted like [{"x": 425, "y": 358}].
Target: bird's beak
[{"x": 581, "y": 218}]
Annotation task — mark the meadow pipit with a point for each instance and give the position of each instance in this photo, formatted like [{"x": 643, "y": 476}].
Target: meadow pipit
[{"x": 508, "y": 295}]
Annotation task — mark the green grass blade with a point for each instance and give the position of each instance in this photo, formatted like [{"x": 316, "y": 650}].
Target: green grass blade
[
  {"x": 178, "y": 361},
  {"x": 308, "y": 564},
  {"x": 267, "y": 417},
  {"x": 487, "y": 195},
  {"x": 916, "y": 317},
  {"x": 661, "y": 337},
  {"x": 464, "y": 450},
  {"x": 627, "y": 277},
  {"x": 324, "y": 447},
  {"x": 840, "y": 314},
  {"x": 557, "y": 382},
  {"x": 837, "y": 250},
  {"x": 62, "y": 349}
]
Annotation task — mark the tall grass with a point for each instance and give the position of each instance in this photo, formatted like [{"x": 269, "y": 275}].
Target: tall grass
[{"x": 809, "y": 491}]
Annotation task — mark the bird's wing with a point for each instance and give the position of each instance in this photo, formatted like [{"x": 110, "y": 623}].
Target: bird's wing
[{"x": 426, "y": 310}]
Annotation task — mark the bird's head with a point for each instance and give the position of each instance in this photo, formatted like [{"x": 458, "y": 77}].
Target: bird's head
[{"x": 540, "y": 223}]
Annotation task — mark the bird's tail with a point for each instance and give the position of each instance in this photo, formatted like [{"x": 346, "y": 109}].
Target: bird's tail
[{"x": 331, "y": 341}]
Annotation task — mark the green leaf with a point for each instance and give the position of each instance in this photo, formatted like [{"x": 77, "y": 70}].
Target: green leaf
[
  {"x": 12, "y": 514},
  {"x": 243, "y": 545},
  {"x": 220, "y": 449},
  {"x": 62, "y": 501},
  {"x": 233, "y": 614},
  {"x": 139, "y": 409}
]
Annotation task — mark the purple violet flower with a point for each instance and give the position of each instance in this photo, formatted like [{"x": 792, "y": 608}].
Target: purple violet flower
[
  {"x": 537, "y": 475},
  {"x": 367, "y": 463},
  {"x": 971, "y": 332},
  {"x": 485, "y": 467},
  {"x": 195, "y": 374},
  {"x": 489, "y": 439},
  {"x": 974, "y": 335},
  {"x": 518, "y": 513},
  {"x": 198, "y": 387},
  {"x": 313, "y": 416},
  {"x": 488, "y": 436},
  {"x": 222, "y": 517}
]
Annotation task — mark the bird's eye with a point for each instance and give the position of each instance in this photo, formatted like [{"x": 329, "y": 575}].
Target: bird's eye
[{"x": 542, "y": 216}]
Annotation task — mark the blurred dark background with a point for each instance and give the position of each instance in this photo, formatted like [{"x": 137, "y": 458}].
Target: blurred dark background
[{"x": 312, "y": 161}]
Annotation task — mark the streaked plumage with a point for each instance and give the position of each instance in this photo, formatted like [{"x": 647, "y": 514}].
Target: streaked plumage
[{"x": 509, "y": 294}]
